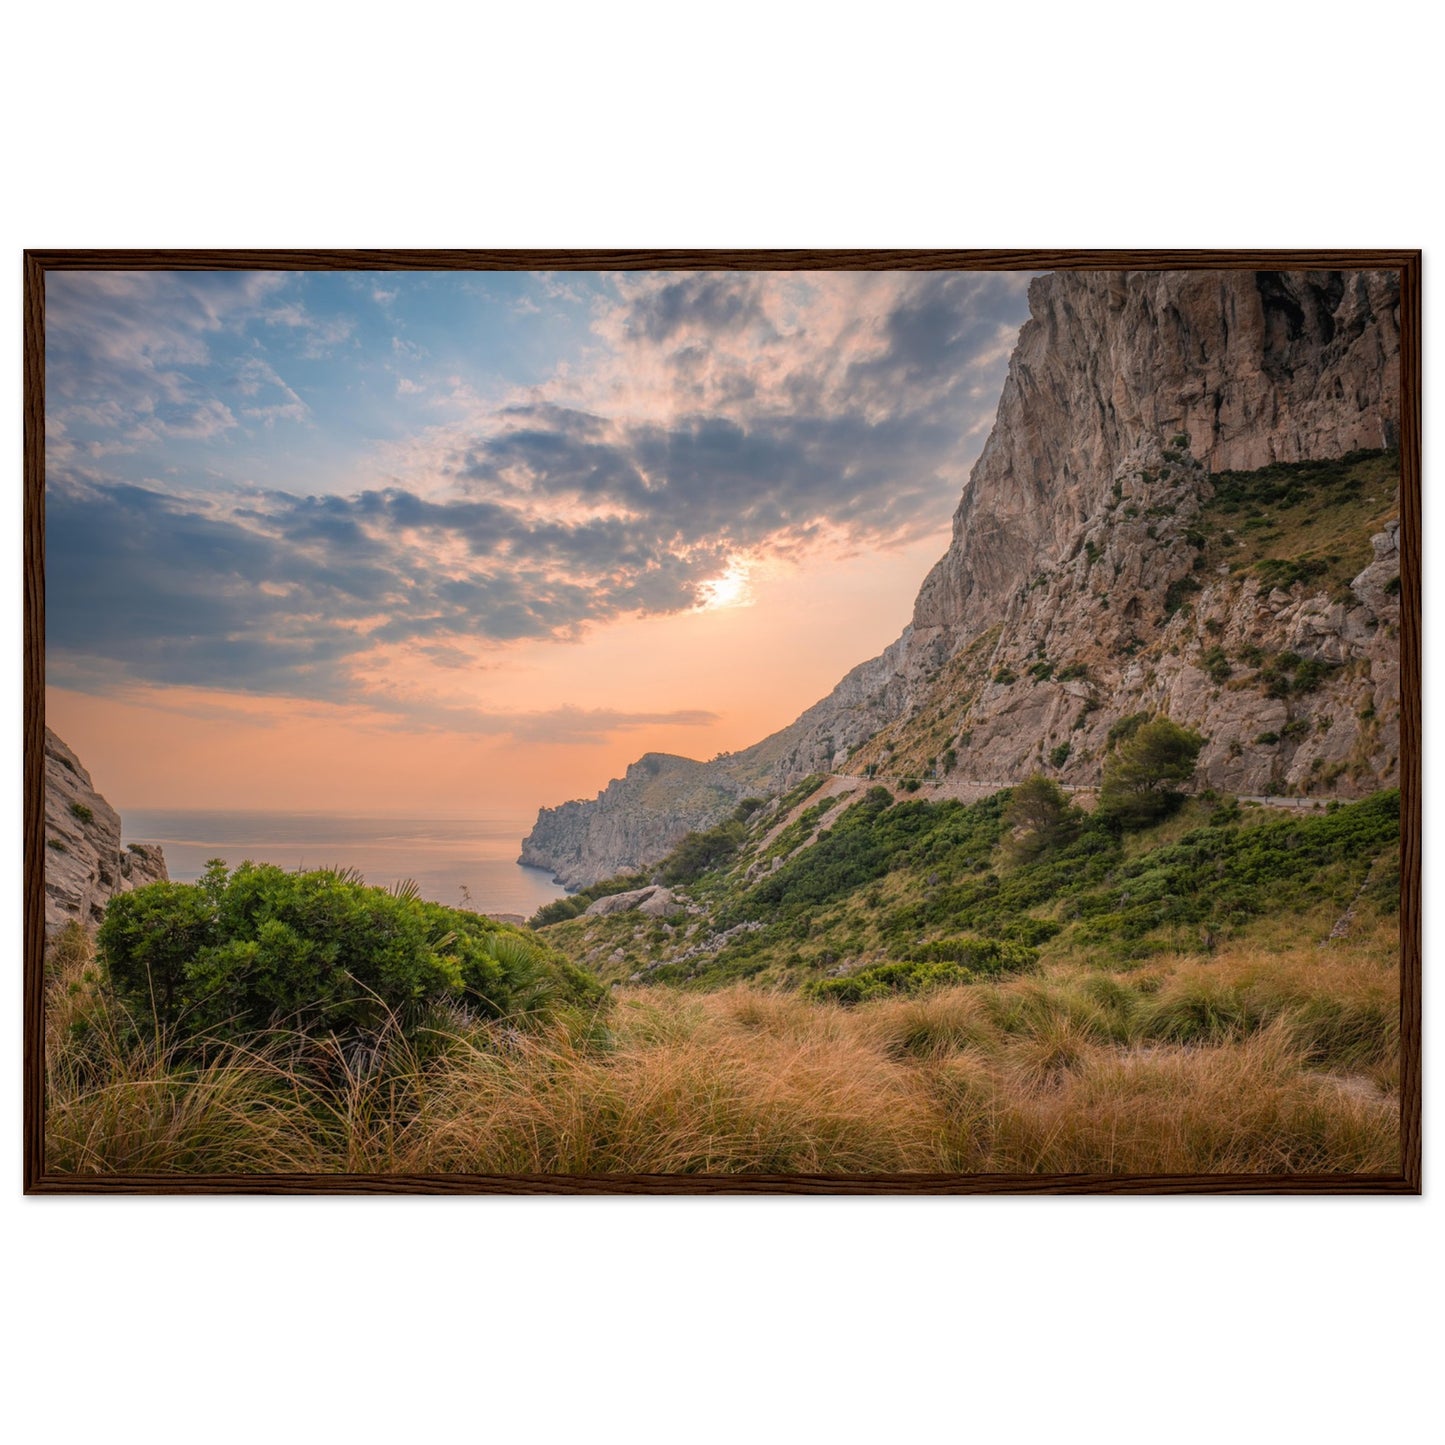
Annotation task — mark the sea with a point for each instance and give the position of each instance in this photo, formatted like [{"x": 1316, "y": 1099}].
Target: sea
[{"x": 462, "y": 862}]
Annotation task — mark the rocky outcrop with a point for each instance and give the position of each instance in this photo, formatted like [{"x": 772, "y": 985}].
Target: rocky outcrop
[
  {"x": 85, "y": 862},
  {"x": 1247, "y": 368},
  {"x": 653, "y": 902},
  {"x": 637, "y": 819},
  {"x": 1295, "y": 688},
  {"x": 1071, "y": 593}
]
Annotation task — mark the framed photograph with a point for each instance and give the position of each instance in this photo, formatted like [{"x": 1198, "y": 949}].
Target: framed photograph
[{"x": 659, "y": 722}]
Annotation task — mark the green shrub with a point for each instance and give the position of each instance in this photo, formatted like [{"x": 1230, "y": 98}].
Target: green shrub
[
  {"x": 1216, "y": 664},
  {"x": 1284, "y": 572},
  {"x": 241, "y": 951},
  {"x": 1140, "y": 777},
  {"x": 1176, "y": 593},
  {"x": 988, "y": 957},
  {"x": 82, "y": 812},
  {"x": 945, "y": 964},
  {"x": 1060, "y": 755},
  {"x": 1287, "y": 672},
  {"x": 558, "y": 911},
  {"x": 1005, "y": 677},
  {"x": 1310, "y": 673},
  {"x": 1125, "y": 728},
  {"x": 700, "y": 852}
]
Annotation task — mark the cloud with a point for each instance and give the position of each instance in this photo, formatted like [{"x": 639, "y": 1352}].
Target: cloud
[
  {"x": 142, "y": 359},
  {"x": 693, "y": 302},
  {"x": 718, "y": 420},
  {"x": 272, "y": 398},
  {"x": 322, "y": 334},
  {"x": 585, "y": 725}
]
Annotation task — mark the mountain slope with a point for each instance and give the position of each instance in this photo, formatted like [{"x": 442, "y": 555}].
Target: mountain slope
[{"x": 1141, "y": 533}]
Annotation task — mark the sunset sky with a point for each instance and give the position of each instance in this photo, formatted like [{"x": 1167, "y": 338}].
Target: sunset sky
[{"x": 462, "y": 544}]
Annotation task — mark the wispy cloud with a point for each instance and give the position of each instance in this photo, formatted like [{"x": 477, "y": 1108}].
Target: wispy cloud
[
  {"x": 323, "y": 334},
  {"x": 129, "y": 357}
]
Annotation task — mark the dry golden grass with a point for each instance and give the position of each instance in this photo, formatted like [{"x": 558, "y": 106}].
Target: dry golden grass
[{"x": 1259, "y": 1060}]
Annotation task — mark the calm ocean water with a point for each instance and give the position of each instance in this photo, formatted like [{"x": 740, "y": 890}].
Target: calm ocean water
[{"x": 449, "y": 858}]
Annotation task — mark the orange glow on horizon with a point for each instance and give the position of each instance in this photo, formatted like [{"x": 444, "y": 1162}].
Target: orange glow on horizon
[{"x": 755, "y": 667}]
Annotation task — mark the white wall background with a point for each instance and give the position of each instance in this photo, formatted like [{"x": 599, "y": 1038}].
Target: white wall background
[{"x": 682, "y": 1319}]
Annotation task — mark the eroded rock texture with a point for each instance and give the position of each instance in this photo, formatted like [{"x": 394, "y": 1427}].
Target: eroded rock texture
[{"x": 85, "y": 862}]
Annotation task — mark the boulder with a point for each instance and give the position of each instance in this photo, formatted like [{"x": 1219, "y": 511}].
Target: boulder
[{"x": 655, "y": 901}]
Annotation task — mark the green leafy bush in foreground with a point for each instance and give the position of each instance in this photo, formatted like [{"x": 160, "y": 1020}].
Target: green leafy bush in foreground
[{"x": 242, "y": 951}]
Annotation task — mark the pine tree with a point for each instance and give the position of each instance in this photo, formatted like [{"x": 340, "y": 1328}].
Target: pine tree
[
  {"x": 1038, "y": 818},
  {"x": 1142, "y": 776}
]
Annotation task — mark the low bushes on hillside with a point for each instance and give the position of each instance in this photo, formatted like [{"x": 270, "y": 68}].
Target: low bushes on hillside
[
  {"x": 943, "y": 964},
  {"x": 701, "y": 851},
  {"x": 889, "y": 877}
]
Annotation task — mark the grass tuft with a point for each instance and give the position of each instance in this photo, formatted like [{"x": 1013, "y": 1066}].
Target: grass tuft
[{"x": 1253, "y": 1060}]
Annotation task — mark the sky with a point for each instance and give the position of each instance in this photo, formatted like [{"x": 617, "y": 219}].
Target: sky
[{"x": 466, "y": 544}]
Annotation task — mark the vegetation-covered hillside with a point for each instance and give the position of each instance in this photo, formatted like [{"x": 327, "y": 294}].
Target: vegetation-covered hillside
[{"x": 877, "y": 881}]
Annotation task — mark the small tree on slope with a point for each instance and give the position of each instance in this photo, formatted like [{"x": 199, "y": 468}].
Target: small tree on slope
[
  {"x": 1038, "y": 818},
  {"x": 1143, "y": 776}
]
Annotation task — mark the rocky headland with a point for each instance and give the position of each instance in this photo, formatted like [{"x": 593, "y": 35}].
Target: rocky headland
[{"x": 1187, "y": 505}]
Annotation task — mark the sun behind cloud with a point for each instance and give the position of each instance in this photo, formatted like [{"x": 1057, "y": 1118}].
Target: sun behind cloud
[{"x": 732, "y": 589}]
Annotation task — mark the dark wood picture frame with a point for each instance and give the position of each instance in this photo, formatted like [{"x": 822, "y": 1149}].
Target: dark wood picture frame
[{"x": 1407, "y": 263}]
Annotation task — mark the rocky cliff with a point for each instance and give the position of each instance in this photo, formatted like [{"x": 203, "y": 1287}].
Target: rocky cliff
[
  {"x": 85, "y": 863},
  {"x": 1186, "y": 504},
  {"x": 635, "y": 820}
]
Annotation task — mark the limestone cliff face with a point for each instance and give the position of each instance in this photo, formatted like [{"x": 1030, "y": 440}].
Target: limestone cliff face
[
  {"x": 1249, "y": 367},
  {"x": 85, "y": 864},
  {"x": 1221, "y": 371},
  {"x": 1075, "y": 541},
  {"x": 635, "y": 820}
]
